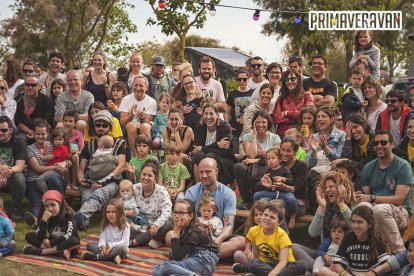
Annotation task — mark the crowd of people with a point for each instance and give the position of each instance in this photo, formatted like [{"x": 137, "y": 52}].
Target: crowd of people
[{"x": 281, "y": 137}]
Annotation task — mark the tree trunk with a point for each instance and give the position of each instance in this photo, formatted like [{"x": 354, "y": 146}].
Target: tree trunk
[
  {"x": 181, "y": 47},
  {"x": 348, "y": 51}
]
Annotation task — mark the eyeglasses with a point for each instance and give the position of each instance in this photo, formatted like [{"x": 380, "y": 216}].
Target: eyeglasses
[
  {"x": 98, "y": 125},
  {"x": 179, "y": 213},
  {"x": 28, "y": 71},
  {"x": 291, "y": 79},
  {"x": 382, "y": 142},
  {"x": 33, "y": 85},
  {"x": 317, "y": 63},
  {"x": 2, "y": 87},
  {"x": 256, "y": 65},
  {"x": 188, "y": 83},
  {"x": 4, "y": 130},
  {"x": 393, "y": 101},
  {"x": 241, "y": 79}
]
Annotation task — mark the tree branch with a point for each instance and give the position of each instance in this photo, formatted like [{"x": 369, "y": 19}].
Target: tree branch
[
  {"x": 105, "y": 26},
  {"x": 195, "y": 19},
  {"x": 160, "y": 16}
]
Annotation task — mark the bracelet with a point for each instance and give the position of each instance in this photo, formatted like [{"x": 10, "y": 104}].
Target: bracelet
[
  {"x": 343, "y": 272},
  {"x": 343, "y": 209}
]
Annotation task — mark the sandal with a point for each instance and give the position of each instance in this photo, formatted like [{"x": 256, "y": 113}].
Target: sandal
[{"x": 76, "y": 188}]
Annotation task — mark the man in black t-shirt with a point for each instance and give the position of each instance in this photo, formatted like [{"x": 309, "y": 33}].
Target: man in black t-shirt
[
  {"x": 12, "y": 160},
  {"x": 324, "y": 91},
  {"x": 95, "y": 196}
]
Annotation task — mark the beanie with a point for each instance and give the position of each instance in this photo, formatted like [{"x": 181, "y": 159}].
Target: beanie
[{"x": 104, "y": 115}]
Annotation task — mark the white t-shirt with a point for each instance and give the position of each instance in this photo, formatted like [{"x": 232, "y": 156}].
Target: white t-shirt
[
  {"x": 253, "y": 85},
  {"x": 213, "y": 89},
  {"x": 148, "y": 103},
  {"x": 395, "y": 131},
  {"x": 10, "y": 92},
  {"x": 211, "y": 137}
]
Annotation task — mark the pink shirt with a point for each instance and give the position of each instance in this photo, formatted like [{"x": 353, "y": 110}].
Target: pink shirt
[{"x": 213, "y": 89}]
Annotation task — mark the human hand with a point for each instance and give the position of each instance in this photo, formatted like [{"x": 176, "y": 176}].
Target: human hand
[
  {"x": 335, "y": 162},
  {"x": 313, "y": 144},
  {"x": 211, "y": 227},
  {"x": 3, "y": 181},
  {"x": 266, "y": 181},
  {"x": 320, "y": 197},
  {"x": 196, "y": 149},
  {"x": 96, "y": 185},
  {"x": 133, "y": 111},
  {"x": 224, "y": 143},
  {"x": 129, "y": 168},
  {"x": 142, "y": 115},
  {"x": 348, "y": 130},
  {"x": 187, "y": 109},
  {"x": 342, "y": 192},
  {"x": 105, "y": 250},
  {"x": 248, "y": 161},
  {"x": 153, "y": 230},
  {"x": 199, "y": 111},
  {"x": 279, "y": 179},
  {"x": 46, "y": 216},
  {"x": 5, "y": 171},
  {"x": 30, "y": 135},
  {"x": 277, "y": 185},
  {"x": 328, "y": 259},
  {"x": 322, "y": 141},
  {"x": 361, "y": 197}
]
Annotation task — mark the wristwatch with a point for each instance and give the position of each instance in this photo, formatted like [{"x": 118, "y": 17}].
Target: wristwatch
[{"x": 373, "y": 198}]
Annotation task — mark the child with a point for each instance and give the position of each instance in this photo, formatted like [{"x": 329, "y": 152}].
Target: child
[
  {"x": 409, "y": 268},
  {"x": 160, "y": 120},
  {"x": 57, "y": 88},
  {"x": 60, "y": 153},
  {"x": 278, "y": 183},
  {"x": 56, "y": 233},
  {"x": 114, "y": 237},
  {"x": 76, "y": 144},
  {"x": 3, "y": 214},
  {"x": 193, "y": 251},
  {"x": 254, "y": 219},
  {"x": 360, "y": 251},
  {"x": 118, "y": 91},
  {"x": 296, "y": 134},
  {"x": 173, "y": 174},
  {"x": 137, "y": 220},
  {"x": 207, "y": 209},
  {"x": 7, "y": 244},
  {"x": 329, "y": 246},
  {"x": 307, "y": 124},
  {"x": 273, "y": 245},
  {"x": 353, "y": 98},
  {"x": 365, "y": 51},
  {"x": 339, "y": 124},
  {"x": 349, "y": 170},
  {"x": 143, "y": 145}
]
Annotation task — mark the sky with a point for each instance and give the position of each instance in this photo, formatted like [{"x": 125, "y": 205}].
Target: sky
[{"x": 233, "y": 27}]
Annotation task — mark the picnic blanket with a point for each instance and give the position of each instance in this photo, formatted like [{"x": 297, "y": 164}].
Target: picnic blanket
[{"x": 140, "y": 262}]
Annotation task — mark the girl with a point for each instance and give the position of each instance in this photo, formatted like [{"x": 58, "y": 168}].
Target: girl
[
  {"x": 193, "y": 248},
  {"x": 56, "y": 232},
  {"x": 114, "y": 237},
  {"x": 118, "y": 92},
  {"x": 360, "y": 251},
  {"x": 307, "y": 124},
  {"x": 366, "y": 52},
  {"x": 254, "y": 219},
  {"x": 76, "y": 144},
  {"x": 57, "y": 87},
  {"x": 60, "y": 153},
  {"x": 160, "y": 119},
  {"x": 278, "y": 183},
  {"x": 207, "y": 218}
]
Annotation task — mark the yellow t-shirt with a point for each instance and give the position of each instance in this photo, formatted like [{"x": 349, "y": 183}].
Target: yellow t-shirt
[
  {"x": 363, "y": 147},
  {"x": 270, "y": 246},
  {"x": 116, "y": 131},
  {"x": 410, "y": 153}
]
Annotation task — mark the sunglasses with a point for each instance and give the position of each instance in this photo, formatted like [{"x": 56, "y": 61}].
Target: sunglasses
[
  {"x": 241, "y": 79},
  {"x": 28, "y": 71},
  {"x": 291, "y": 79},
  {"x": 391, "y": 101},
  {"x": 256, "y": 65},
  {"x": 382, "y": 142},
  {"x": 2, "y": 87},
  {"x": 4, "y": 130},
  {"x": 33, "y": 85},
  {"x": 98, "y": 125}
]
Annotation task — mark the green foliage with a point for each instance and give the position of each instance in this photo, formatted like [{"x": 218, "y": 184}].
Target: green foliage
[
  {"x": 341, "y": 91},
  {"x": 231, "y": 85}
]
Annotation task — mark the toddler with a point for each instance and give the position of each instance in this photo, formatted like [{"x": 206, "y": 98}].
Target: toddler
[
  {"x": 136, "y": 220},
  {"x": 409, "y": 268},
  {"x": 207, "y": 208},
  {"x": 160, "y": 119},
  {"x": 103, "y": 161},
  {"x": 7, "y": 244}
]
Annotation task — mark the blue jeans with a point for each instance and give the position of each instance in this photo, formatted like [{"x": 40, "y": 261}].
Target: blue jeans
[
  {"x": 288, "y": 198},
  {"x": 57, "y": 183},
  {"x": 203, "y": 262},
  {"x": 7, "y": 249},
  {"x": 34, "y": 196}
]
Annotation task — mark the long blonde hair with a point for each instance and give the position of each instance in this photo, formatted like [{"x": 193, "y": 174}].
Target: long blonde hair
[{"x": 339, "y": 179}]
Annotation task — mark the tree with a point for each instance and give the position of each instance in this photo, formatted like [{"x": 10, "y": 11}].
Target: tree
[
  {"x": 176, "y": 18},
  {"x": 76, "y": 28}
]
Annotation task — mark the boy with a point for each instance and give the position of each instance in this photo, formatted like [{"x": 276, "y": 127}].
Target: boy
[
  {"x": 143, "y": 145},
  {"x": 7, "y": 244},
  {"x": 353, "y": 98},
  {"x": 173, "y": 174},
  {"x": 273, "y": 245},
  {"x": 349, "y": 170},
  {"x": 296, "y": 134}
]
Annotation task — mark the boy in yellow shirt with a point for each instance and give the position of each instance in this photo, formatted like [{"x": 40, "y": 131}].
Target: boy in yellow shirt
[{"x": 273, "y": 245}]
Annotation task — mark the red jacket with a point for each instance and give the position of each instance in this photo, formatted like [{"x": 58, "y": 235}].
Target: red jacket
[
  {"x": 384, "y": 119},
  {"x": 293, "y": 111}
]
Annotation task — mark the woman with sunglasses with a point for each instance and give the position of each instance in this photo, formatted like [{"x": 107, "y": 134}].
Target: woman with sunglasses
[
  {"x": 372, "y": 93},
  {"x": 7, "y": 106},
  {"x": 291, "y": 100}
]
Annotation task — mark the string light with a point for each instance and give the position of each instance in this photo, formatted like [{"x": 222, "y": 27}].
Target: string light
[
  {"x": 297, "y": 19},
  {"x": 161, "y": 4},
  {"x": 256, "y": 15},
  {"x": 212, "y": 10}
]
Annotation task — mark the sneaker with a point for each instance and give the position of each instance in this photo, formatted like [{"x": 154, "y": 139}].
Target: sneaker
[
  {"x": 16, "y": 217},
  {"x": 31, "y": 250},
  {"x": 80, "y": 221},
  {"x": 117, "y": 259},
  {"x": 30, "y": 219},
  {"x": 88, "y": 256},
  {"x": 240, "y": 257},
  {"x": 154, "y": 244},
  {"x": 240, "y": 268}
]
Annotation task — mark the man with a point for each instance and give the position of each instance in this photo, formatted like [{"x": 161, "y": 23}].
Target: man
[
  {"x": 324, "y": 91},
  {"x": 295, "y": 64},
  {"x": 393, "y": 118},
  {"x": 94, "y": 197},
  {"x": 137, "y": 111},
  {"x": 158, "y": 81},
  {"x": 29, "y": 67},
  {"x": 12, "y": 157},
  {"x": 256, "y": 71},
  {"x": 206, "y": 83},
  {"x": 56, "y": 63},
  {"x": 225, "y": 200},
  {"x": 75, "y": 99},
  {"x": 386, "y": 183},
  {"x": 175, "y": 71},
  {"x": 33, "y": 105}
]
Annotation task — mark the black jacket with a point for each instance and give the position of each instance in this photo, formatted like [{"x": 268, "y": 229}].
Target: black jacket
[{"x": 44, "y": 109}]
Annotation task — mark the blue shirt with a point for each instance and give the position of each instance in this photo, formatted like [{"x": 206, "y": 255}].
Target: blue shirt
[{"x": 6, "y": 231}]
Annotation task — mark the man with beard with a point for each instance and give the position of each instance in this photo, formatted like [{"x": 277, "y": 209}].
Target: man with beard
[
  {"x": 56, "y": 63},
  {"x": 206, "y": 83},
  {"x": 324, "y": 91},
  {"x": 95, "y": 195},
  {"x": 393, "y": 118},
  {"x": 158, "y": 81},
  {"x": 256, "y": 72},
  {"x": 386, "y": 183}
]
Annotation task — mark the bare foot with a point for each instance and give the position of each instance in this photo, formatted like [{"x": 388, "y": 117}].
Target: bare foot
[
  {"x": 292, "y": 222},
  {"x": 66, "y": 254}
]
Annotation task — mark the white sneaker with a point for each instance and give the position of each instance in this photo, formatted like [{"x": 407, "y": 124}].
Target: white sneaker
[
  {"x": 117, "y": 259},
  {"x": 154, "y": 244}
]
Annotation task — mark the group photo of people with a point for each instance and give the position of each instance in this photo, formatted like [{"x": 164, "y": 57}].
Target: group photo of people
[{"x": 172, "y": 159}]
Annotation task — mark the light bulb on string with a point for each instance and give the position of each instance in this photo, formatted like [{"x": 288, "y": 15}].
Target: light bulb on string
[
  {"x": 256, "y": 15},
  {"x": 212, "y": 10},
  {"x": 161, "y": 4},
  {"x": 297, "y": 19}
]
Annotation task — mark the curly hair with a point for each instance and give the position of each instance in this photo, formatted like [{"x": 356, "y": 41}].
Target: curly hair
[{"x": 339, "y": 179}]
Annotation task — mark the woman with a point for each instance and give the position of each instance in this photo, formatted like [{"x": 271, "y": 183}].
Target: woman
[
  {"x": 7, "y": 105},
  {"x": 13, "y": 75},
  {"x": 90, "y": 132},
  {"x": 212, "y": 139},
  {"x": 325, "y": 146},
  {"x": 191, "y": 101},
  {"x": 135, "y": 64},
  {"x": 178, "y": 90},
  {"x": 99, "y": 82},
  {"x": 335, "y": 195},
  {"x": 193, "y": 249},
  {"x": 372, "y": 92},
  {"x": 154, "y": 202},
  {"x": 291, "y": 100},
  {"x": 255, "y": 145},
  {"x": 273, "y": 75}
]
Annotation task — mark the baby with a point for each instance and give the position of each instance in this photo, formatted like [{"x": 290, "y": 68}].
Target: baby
[
  {"x": 207, "y": 209},
  {"x": 136, "y": 220}
]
